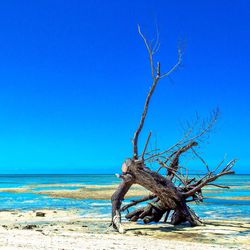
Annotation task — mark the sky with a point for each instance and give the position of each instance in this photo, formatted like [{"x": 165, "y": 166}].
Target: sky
[{"x": 74, "y": 76}]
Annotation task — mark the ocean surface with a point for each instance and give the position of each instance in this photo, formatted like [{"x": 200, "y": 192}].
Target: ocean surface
[{"x": 219, "y": 203}]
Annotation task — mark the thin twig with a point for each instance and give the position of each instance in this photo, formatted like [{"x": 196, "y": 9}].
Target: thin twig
[
  {"x": 201, "y": 159},
  {"x": 146, "y": 145}
]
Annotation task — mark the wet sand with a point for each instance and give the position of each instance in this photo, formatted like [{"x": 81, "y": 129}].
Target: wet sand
[
  {"x": 97, "y": 192},
  {"x": 67, "y": 229},
  {"x": 14, "y": 190},
  {"x": 242, "y": 198}
]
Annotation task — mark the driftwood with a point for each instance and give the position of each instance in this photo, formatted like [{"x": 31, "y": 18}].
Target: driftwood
[{"x": 166, "y": 197}]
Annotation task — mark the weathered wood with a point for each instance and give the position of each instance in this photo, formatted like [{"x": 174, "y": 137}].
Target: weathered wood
[
  {"x": 135, "y": 202},
  {"x": 170, "y": 197},
  {"x": 117, "y": 198},
  {"x": 162, "y": 187},
  {"x": 165, "y": 195}
]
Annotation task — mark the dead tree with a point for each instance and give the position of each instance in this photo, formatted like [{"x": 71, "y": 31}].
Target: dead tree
[{"x": 166, "y": 196}]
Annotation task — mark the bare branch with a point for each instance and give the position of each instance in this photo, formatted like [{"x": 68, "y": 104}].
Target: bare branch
[
  {"x": 188, "y": 137},
  {"x": 150, "y": 51},
  {"x": 226, "y": 170},
  {"x": 201, "y": 159},
  {"x": 143, "y": 116},
  {"x": 174, "y": 171},
  {"x": 207, "y": 126},
  {"x": 157, "y": 43},
  {"x": 216, "y": 185},
  {"x": 175, "y": 161},
  {"x": 135, "y": 202},
  {"x": 179, "y": 61},
  {"x": 220, "y": 163},
  {"x": 152, "y": 88},
  {"x": 146, "y": 145}
]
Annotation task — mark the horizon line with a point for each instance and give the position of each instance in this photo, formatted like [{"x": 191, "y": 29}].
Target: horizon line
[{"x": 87, "y": 174}]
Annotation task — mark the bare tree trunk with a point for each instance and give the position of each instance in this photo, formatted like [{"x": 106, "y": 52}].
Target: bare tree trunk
[
  {"x": 169, "y": 197},
  {"x": 117, "y": 199}
]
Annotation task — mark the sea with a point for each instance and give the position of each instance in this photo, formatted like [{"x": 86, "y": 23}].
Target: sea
[{"x": 219, "y": 203}]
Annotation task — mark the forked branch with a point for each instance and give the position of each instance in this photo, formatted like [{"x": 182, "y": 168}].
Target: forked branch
[
  {"x": 155, "y": 77},
  {"x": 210, "y": 177}
]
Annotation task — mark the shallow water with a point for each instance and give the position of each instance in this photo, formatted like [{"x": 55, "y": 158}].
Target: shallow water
[{"x": 219, "y": 203}]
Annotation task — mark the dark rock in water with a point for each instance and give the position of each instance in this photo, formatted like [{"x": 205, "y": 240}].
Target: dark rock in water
[
  {"x": 138, "y": 233},
  {"x": 40, "y": 214},
  {"x": 30, "y": 226}
]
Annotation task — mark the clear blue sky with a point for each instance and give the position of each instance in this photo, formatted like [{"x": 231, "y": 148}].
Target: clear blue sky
[{"x": 74, "y": 75}]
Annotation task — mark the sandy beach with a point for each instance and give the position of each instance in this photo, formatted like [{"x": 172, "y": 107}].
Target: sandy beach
[
  {"x": 67, "y": 229},
  {"x": 78, "y": 228}
]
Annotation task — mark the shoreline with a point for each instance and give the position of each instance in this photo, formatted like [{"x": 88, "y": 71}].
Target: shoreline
[{"x": 67, "y": 229}]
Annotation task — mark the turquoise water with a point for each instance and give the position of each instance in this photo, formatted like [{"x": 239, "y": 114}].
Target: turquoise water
[{"x": 218, "y": 204}]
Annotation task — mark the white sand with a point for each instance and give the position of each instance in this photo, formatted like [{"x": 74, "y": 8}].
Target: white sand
[
  {"x": 68, "y": 230},
  {"x": 24, "y": 239}
]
